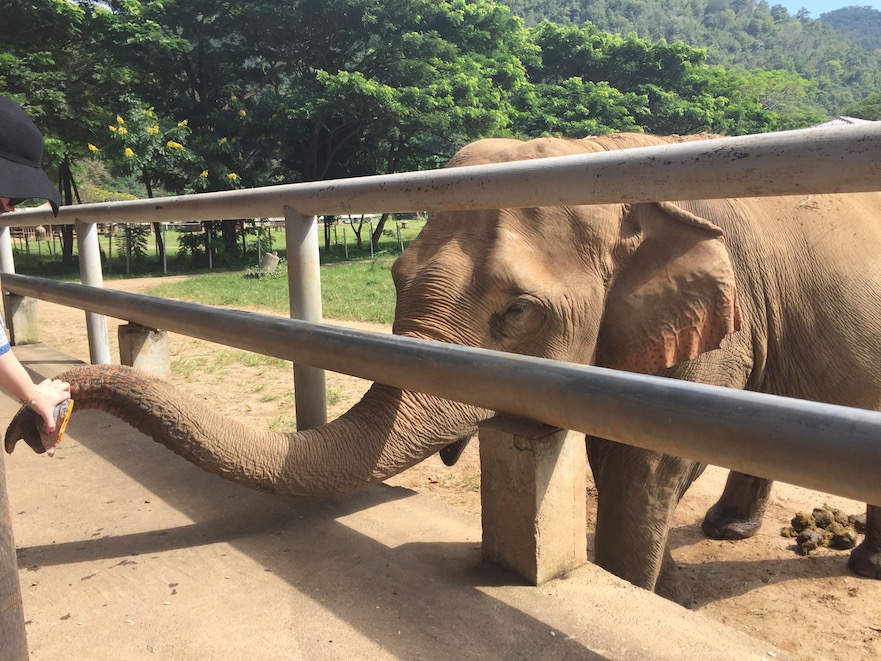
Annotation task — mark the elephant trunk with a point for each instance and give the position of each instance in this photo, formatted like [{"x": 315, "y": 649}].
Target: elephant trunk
[{"x": 388, "y": 431}]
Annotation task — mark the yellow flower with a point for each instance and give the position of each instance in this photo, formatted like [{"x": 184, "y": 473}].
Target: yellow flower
[
  {"x": 153, "y": 130},
  {"x": 129, "y": 152},
  {"x": 221, "y": 141},
  {"x": 112, "y": 128},
  {"x": 204, "y": 174},
  {"x": 93, "y": 148},
  {"x": 183, "y": 122},
  {"x": 242, "y": 112},
  {"x": 150, "y": 112},
  {"x": 119, "y": 120},
  {"x": 233, "y": 176},
  {"x": 234, "y": 97},
  {"x": 171, "y": 144},
  {"x": 123, "y": 130}
]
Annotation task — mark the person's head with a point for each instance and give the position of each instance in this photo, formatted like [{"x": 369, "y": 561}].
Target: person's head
[{"x": 21, "y": 150}]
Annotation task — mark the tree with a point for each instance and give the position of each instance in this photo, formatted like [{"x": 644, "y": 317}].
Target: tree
[
  {"x": 51, "y": 62},
  {"x": 151, "y": 148},
  {"x": 869, "y": 108}
]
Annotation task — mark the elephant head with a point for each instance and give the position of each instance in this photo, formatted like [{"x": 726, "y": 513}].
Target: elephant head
[{"x": 636, "y": 287}]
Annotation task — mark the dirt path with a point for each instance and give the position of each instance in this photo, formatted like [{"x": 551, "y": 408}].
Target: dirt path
[{"x": 810, "y": 607}]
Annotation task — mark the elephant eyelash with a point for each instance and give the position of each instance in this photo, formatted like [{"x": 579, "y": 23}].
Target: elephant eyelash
[{"x": 500, "y": 322}]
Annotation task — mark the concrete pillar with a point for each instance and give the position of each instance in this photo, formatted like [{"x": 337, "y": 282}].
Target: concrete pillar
[
  {"x": 21, "y": 319},
  {"x": 532, "y": 491},
  {"x": 145, "y": 349},
  {"x": 13, "y": 642}
]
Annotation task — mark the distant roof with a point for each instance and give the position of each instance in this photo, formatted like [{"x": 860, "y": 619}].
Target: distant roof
[{"x": 841, "y": 120}]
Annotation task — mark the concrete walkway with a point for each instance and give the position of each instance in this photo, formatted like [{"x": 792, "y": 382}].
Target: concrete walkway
[{"x": 128, "y": 552}]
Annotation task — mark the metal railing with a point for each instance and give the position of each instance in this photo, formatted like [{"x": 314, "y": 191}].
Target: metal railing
[{"x": 838, "y": 447}]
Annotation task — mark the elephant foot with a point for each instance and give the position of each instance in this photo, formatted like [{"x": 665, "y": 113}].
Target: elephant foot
[
  {"x": 740, "y": 509},
  {"x": 671, "y": 585},
  {"x": 727, "y": 523},
  {"x": 865, "y": 559}
]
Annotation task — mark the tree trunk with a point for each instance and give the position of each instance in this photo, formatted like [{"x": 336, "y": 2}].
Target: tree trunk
[
  {"x": 66, "y": 177},
  {"x": 157, "y": 227},
  {"x": 229, "y": 234},
  {"x": 377, "y": 232}
]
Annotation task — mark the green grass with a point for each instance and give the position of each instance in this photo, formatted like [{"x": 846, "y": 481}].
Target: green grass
[{"x": 358, "y": 291}]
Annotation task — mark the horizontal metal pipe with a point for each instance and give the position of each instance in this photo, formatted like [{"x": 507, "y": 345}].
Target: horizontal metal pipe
[
  {"x": 820, "y": 160},
  {"x": 833, "y": 449}
]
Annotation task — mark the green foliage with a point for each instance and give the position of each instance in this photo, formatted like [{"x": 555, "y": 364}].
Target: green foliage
[
  {"x": 134, "y": 243},
  {"x": 862, "y": 25},
  {"x": 839, "y": 54},
  {"x": 216, "y": 96},
  {"x": 142, "y": 144},
  {"x": 657, "y": 86},
  {"x": 868, "y": 108}
]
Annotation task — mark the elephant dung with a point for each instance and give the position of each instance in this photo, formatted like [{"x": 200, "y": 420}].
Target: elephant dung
[{"x": 824, "y": 526}]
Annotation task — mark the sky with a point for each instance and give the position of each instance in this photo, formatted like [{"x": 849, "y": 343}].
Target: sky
[{"x": 817, "y": 7}]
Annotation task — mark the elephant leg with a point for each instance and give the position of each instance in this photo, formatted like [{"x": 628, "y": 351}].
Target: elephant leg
[
  {"x": 670, "y": 583},
  {"x": 739, "y": 511},
  {"x": 865, "y": 559},
  {"x": 637, "y": 493}
]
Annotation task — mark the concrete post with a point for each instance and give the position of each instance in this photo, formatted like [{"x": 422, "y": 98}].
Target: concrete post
[
  {"x": 145, "y": 349},
  {"x": 21, "y": 319},
  {"x": 304, "y": 287},
  {"x": 532, "y": 491},
  {"x": 13, "y": 641},
  {"x": 90, "y": 273}
]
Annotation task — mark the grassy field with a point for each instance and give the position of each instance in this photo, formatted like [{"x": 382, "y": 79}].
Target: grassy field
[{"x": 360, "y": 291}]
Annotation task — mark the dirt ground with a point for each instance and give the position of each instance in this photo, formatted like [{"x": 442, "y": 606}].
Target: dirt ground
[{"x": 810, "y": 607}]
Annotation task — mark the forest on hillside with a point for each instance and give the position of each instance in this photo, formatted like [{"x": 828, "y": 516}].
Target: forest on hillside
[
  {"x": 154, "y": 97},
  {"x": 839, "y": 51}
]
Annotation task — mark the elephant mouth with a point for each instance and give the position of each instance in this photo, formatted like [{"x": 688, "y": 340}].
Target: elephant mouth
[{"x": 452, "y": 452}]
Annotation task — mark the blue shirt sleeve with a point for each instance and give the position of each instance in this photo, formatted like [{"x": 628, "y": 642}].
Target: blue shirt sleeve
[{"x": 4, "y": 341}]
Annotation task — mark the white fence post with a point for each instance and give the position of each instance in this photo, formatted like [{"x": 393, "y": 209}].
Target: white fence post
[
  {"x": 7, "y": 261},
  {"x": 304, "y": 288},
  {"x": 90, "y": 273}
]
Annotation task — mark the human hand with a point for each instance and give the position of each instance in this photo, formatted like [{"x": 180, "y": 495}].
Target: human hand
[{"x": 50, "y": 393}]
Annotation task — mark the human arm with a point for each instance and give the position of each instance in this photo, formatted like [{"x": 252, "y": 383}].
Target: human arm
[{"x": 42, "y": 397}]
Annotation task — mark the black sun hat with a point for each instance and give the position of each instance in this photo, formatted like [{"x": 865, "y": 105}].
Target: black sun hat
[{"x": 21, "y": 150}]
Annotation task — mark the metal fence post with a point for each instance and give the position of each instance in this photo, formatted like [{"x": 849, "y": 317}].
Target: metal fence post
[
  {"x": 304, "y": 290},
  {"x": 90, "y": 274}
]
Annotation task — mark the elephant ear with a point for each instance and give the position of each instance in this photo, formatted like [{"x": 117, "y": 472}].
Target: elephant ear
[{"x": 673, "y": 296}]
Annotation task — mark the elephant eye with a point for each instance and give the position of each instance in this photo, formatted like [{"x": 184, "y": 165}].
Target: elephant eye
[{"x": 504, "y": 324}]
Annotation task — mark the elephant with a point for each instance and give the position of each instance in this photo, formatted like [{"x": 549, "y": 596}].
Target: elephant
[{"x": 777, "y": 295}]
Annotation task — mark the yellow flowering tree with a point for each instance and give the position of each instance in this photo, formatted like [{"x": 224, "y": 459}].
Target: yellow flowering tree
[{"x": 153, "y": 149}]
